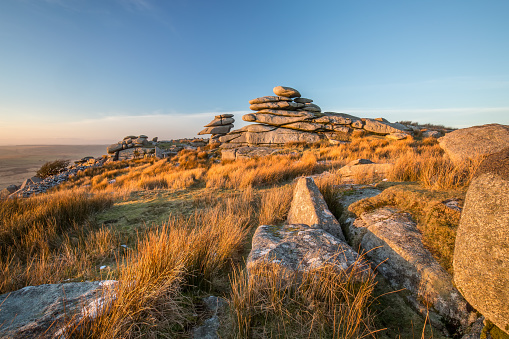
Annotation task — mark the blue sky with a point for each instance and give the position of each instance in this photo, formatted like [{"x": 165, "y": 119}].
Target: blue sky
[{"x": 92, "y": 71}]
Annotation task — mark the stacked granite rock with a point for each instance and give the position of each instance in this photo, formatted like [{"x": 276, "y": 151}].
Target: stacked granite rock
[
  {"x": 287, "y": 117},
  {"x": 220, "y": 126},
  {"x": 132, "y": 145}
]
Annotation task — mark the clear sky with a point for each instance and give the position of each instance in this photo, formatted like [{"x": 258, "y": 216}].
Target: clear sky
[{"x": 93, "y": 71}]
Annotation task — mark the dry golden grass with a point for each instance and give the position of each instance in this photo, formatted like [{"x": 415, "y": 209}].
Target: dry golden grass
[
  {"x": 183, "y": 253},
  {"x": 37, "y": 237},
  {"x": 264, "y": 171},
  {"x": 270, "y": 302}
]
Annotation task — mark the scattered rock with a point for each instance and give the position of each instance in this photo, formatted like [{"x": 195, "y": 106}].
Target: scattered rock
[
  {"x": 43, "y": 311},
  {"x": 309, "y": 208},
  {"x": 433, "y": 134},
  {"x": 397, "y": 136},
  {"x": 394, "y": 245},
  {"x": 382, "y": 127},
  {"x": 469, "y": 143},
  {"x": 481, "y": 254}
]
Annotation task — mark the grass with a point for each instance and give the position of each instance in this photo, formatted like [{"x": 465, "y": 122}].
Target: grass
[{"x": 187, "y": 223}]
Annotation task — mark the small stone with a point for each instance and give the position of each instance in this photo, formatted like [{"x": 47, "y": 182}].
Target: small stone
[
  {"x": 303, "y": 100},
  {"x": 286, "y": 92}
]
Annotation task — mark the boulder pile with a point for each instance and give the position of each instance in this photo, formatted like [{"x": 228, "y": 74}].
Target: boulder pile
[
  {"x": 36, "y": 185},
  {"x": 288, "y": 117},
  {"x": 220, "y": 126},
  {"x": 132, "y": 146}
]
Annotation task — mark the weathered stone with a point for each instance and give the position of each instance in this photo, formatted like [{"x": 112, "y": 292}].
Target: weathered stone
[
  {"x": 333, "y": 119},
  {"x": 216, "y": 130},
  {"x": 308, "y": 207},
  {"x": 285, "y": 105},
  {"x": 305, "y": 126},
  {"x": 278, "y": 136},
  {"x": 12, "y": 188},
  {"x": 433, "y": 134},
  {"x": 224, "y": 116},
  {"x": 375, "y": 171},
  {"x": 130, "y": 137},
  {"x": 114, "y": 148},
  {"x": 397, "y": 136},
  {"x": 286, "y": 92},
  {"x": 287, "y": 113},
  {"x": 381, "y": 127},
  {"x": 311, "y": 107},
  {"x": 29, "y": 182},
  {"x": 341, "y": 128},
  {"x": 299, "y": 247},
  {"x": 352, "y": 118},
  {"x": 271, "y": 119},
  {"x": 228, "y": 154},
  {"x": 358, "y": 124},
  {"x": 220, "y": 122},
  {"x": 44, "y": 311},
  {"x": 481, "y": 253},
  {"x": 394, "y": 245},
  {"x": 256, "y": 128},
  {"x": 143, "y": 136},
  {"x": 469, "y": 143},
  {"x": 271, "y": 98},
  {"x": 302, "y": 100},
  {"x": 154, "y": 139}
]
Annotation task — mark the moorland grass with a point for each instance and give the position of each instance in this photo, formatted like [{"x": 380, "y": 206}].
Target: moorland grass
[{"x": 51, "y": 239}]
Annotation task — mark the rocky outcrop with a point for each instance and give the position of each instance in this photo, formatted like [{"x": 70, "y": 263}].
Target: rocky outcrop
[
  {"x": 44, "y": 311},
  {"x": 132, "y": 146},
  {"x": 472, "y": 142},
  {"x": 221, "y": 125},
  {"x": 301, "y": 244},
  {"x": 481, "y": 254},
  {"x": 393, "y": 244},
  {"x": 287, "y": 117}
]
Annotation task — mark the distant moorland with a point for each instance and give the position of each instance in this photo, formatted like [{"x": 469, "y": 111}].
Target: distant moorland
[{"x": 20, "y": 162}]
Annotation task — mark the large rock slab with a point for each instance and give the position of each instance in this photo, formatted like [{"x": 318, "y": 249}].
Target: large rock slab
[
  {"x": 287, "y": 113},
  {"x": 271, "y": 119},
  {"x": 383, "y": 127},
  {"x": 256, "y": 128},
  {"x": 278, "y": 136},
  {"x": 285, "y": 105},
  {"x": 309, "y": 207},
  {"x": 311, "y": 107},
  {"x": 220, "y": 122},
  {"x": 42, "y": 311},
  {"x": 299, "y": 247},
  {"x": 333, "y": 119},
  {"x": 307, "y": 126},
  {"x": 286, "y": 92},
  {"x": 216, "y": 130},
  {"x": 394, "y": 245},
  {"x": 270, "y": 98},
  {"x": 114, "y": 148},
  {"x": 468, "y": 143},
  {"x": 302, "y": 100},
  {"x": 481, "y": 254}
]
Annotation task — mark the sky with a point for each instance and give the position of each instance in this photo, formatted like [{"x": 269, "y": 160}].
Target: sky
[{"x": 94, "y": 71}]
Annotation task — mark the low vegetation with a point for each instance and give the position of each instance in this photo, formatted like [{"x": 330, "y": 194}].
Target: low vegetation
[
  {"x": 51, "y": 168},
  {"x": 175, "y": 230}
]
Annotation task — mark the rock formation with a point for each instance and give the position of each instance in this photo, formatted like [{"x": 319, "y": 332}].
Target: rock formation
[
  {"x": 303, "y": 243},
  {"x": 221, "y": 125},
  {"x": 468, "y": 143},
  {"x": 287, "y": 117},
  {"x": 133, "y": 146},
  {"x": 481, "y": 254}
]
